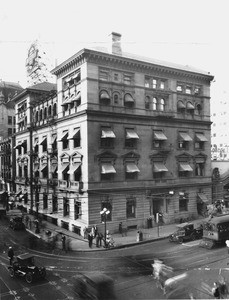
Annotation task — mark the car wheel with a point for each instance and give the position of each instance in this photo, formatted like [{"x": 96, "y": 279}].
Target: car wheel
[
  {"x": 29, "y": 277},
  {"x": 12, "y": 273},
  {"x": 43, "y": 273},
  {"x": 180, "y": 240}
]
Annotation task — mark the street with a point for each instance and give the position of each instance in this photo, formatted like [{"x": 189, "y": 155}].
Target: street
[{"x": 130, "y": 269}]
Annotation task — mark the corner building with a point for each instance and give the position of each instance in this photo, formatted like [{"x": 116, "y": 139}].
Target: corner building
[{"x": 133, "y": 135}]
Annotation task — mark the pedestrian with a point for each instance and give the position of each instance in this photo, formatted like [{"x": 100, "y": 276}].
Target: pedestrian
[
  {"x": 215, "y": 290},
  {"x": 120, "y": 228},
  {"x": 100, "y": 236},
  {"x": 223, "y": 290},
  {"x": 90, "y": 239},
  {"x": 85, "y": 232},
  {"x": 95, "y": 231},
  {"x": 63, "y": 239},
  {"x": 97, "y": 240},
  {"x": 11, "y": 255}
]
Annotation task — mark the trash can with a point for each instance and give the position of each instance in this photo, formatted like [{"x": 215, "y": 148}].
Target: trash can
[{"x": 139, "y": 236}]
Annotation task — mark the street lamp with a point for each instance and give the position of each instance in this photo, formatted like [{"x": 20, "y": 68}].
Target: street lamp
[
  {"x": 37, "y": 186},
  {"x": 104, "y": 213}
]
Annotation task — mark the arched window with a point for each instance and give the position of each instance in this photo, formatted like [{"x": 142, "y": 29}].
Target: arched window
[
  {"x": 50, "y": 110},
  {"x": 154, "y": 103},
  {"x": 199, "y": 109},
  {"x": 45, "y": 113},
  {"x": 147, "y": 102},
  {"x": 162, "y": 104},
  {"x": 180, "y": 106},
  {"x": 54, "y": 109},
  {"x": 40, "y": 115}
]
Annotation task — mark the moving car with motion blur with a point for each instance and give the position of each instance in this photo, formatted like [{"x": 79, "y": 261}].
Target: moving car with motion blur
[
  {"x": 16, "y": 223},
  {"x": 96, "y": 286},
  {"x": 186, "y": 232},
  {"x": 24, "y": 266}
]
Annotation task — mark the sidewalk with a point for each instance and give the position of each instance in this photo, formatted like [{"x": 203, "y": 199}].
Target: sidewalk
[{"x": 76, "y": 242}]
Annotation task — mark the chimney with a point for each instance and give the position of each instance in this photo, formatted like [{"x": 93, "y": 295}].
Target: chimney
[{"x": 116, "y": 43}]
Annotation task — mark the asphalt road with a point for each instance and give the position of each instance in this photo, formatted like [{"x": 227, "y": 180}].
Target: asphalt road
[{"x": 130, "y": 269}]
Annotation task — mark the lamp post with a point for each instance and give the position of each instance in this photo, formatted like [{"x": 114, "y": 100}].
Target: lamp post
[
  {"x": 37, "y": 187},
  {"x": 104, "y": 213}
]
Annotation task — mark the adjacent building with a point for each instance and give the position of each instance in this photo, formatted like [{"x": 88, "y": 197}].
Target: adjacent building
[{"x": 118, "y": 131}]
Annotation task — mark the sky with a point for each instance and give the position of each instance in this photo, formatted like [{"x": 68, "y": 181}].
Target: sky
[{"x": 187, "y": 32}]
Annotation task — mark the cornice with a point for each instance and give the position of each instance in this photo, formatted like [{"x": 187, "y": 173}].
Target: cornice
[{"x": 110, "y": 60}]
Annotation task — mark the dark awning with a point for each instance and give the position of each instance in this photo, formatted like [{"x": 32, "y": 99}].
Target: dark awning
[
  {"x": 64, "y": 136},
  {"x": 128, "y": 98},
  {"x": 180, "y": 105},
  {"x": 74, "y": 134},
  {"x": 44, "y": 139},
  {"x": 185, "y": 167},
  {"x": 107, "y": 134},
  {"x": 185, "y": 137},
  {"x": 73, "y": 168},
  {"x": 131, "y": 134},
  {"x": 43, "y": 167},
  {"x": 18, "y": 145},
  {"x": 53, "y": 168},
  {"x": 131, "y": 168},
  {"x": 107, "y": 169},
  {"x": 202, "y": 198},
  {"x": 78, "y": 97},
  {"x": 159, "y": 135},
  {"x": 63, "y": 168},
  {"x": 190, "y": 106},
  {"x": 104, "y": 95},
  {"x": 53, "y": 139},
  {"x": 159, "y": 167},
  {"x": 201, "y": 137}
]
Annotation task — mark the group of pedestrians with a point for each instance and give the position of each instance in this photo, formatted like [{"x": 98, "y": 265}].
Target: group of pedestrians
[
  {"x": 93, "y": 234},
  {"x": 220, "y": 290}
]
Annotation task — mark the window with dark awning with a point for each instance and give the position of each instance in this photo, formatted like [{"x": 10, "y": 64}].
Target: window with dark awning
[
  {"x": 44, "y": 140},
  {"x": 184, "y": 137},
  {"x": 107, "y": 169},
  {"x": 64, "y": 136},
  {"x": 104, "y": 95},
  {"x": 180, "y": 105},
  {"x": 128, "y": 98},
  {"x": 131, "y": 134},
  {"x": 131, "y": 168},
  {"x": 74, "y": 134},
  {"x": 54, "y": 137},
  {"x": 18, "y": 145},
  {"x": 43, "y": 168},
  {"x": 73, "y": 168},
  {"x": 185, "y": 167},
  {"x": 63, "y": 168},
  {"x": 159, "y": 167},
  {"x": 202, "y": 198},
  {"x": 78, "y": 96},
  {"x": 159, "y": 135},
  {"x": 201, "y": 137},
  {"x": 106, "y": 133},
  {"x": 190, "y": 106},
  {"x": 53, "y": 168},
  {"x": 36, "y": 167}
]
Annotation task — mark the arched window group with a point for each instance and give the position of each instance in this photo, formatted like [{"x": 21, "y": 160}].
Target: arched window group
[
  {"x": 188, "y": 107},
  {"x": 46, "y": 112}
]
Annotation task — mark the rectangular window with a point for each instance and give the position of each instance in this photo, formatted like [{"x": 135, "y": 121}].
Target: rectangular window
[
  {"x": 162, "y": 85},
  {"x": 199, "y": 145},
  {"x": 45, "y": 201},
  {"x": 188, "y": 90},
  {"x": 199, "y": 169},
  {"x": 116, "y": 77},
  {"x": 179, "y": 88},
  {"x": 131, "y": 207},
  {"x": 196, "y": 90},
  {"x": 104, "y": 75},
  {"x": 77, "y": 210},
  {"x": 66, "y": 206},
  {"x": 10, "y": 120},
  {"x": 183, "y": 145},
  {"x": 127, "y": 79},
  {"x": 154, "y": 83},
  {"x": 147, "y": 82},
  {"x": 10, "y": 131},
  {"x": 183, "y": 202}
]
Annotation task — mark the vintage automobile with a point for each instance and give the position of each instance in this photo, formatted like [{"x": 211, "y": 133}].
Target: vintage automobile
[
  {"x": 96, "y": 286},
  {"x": 16, "y": 223},
  {"x": 24, "y": 266},
  {"x": 186, "y": 232}
]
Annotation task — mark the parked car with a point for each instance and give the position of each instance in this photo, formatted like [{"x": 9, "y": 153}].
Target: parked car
[
  {"x": 16, "y": 223},
  {"x": 96, "y": 286},
  {"x": 186, "y": 232},
  {"x": 24, "y": 266}
]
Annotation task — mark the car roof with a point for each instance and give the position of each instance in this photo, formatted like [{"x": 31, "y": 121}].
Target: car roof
[
  {"x": 25, "y": 256},
  {"x": 182, "y": 225}
]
